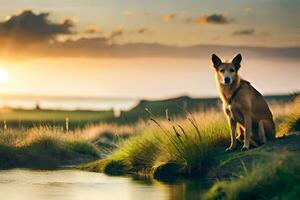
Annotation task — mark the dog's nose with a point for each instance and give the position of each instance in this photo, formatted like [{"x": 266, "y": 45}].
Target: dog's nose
[{"x": 226, "y": 80}]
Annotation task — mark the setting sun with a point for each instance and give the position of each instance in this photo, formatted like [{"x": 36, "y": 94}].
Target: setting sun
[{"x": 4, "y": 75}]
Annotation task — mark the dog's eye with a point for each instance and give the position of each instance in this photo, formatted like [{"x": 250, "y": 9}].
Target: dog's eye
[
  {"x": 231, "y": 70},
  {"x": 222, "y": 70}
]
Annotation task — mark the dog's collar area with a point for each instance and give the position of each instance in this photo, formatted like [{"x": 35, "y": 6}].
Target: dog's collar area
[{"x": 234, "y": 94}]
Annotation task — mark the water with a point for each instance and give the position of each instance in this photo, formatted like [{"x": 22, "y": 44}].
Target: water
[
  {"x": 19, "y": 184},
  {"x": 68, "y": 103}
]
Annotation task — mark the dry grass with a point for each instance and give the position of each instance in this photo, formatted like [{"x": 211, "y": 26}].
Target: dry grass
[
  {"x": 286, "y": 116},
  {"x": 43, "y": 147},
  {"x": 24, "y": 137},
  {"x": 93, "y": 132}
]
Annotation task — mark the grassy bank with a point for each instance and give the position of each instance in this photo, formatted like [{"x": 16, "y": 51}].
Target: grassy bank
[
  {"x": 51, "y": 147},
  {"x": 194, "y": 148},
  {"x": 44, "y": 148},
  {"x": 168, "y": 148},
  {"x": 277, "y": 176}
]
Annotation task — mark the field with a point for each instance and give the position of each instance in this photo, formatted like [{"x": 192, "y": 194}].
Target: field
[
  {"x": 167, "y": 148},
  {"x": 21, "y": 118}
]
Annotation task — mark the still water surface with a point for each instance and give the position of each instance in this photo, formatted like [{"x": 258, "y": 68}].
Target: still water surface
[{"x": 19, "y": 184}]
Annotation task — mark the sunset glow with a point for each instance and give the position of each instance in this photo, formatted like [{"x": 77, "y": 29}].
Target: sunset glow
[
  {"x": 4, "y": 75},
  {"x": 146, "y": 50}
]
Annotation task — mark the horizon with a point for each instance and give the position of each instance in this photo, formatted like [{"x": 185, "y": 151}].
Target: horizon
[
  {"x": 70, "y": 97},
  {"x": 72, "y": 103}
]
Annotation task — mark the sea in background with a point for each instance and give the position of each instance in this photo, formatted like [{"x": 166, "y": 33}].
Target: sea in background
[{"x": 67, "y": 103}]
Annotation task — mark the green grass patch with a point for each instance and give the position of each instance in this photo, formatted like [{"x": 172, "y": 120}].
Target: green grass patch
[
  {"x": 181, "y": 146},
  {"x": 83, "y": 147},
  {"x": 276, "y": 178},
  {"x": 22, "y": 118}
]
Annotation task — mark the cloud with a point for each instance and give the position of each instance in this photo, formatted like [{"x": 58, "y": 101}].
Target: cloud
[
  {"x": 87, "y": 43},
  {"x": 244, "y": 32},
  {"x": 265, "y": 34},
  {"x": 143, "y": 30},
  {"x": 116, "y": 33},
  {"x": 169, "y": 17},
  {"x": 218, "y": 37},
  {"x": 212, "y": 19},
  {"x": 188, "y": 20},
  {"x": 248, "y": 10},
  {"x": 28, "y": 27},
  {"x": 92, "y": 30},
  {"x": 127, "y": 13},
  {"x": 102, "y": 47}
]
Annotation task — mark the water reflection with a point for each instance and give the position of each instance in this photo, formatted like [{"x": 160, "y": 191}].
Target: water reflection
[{"x": 77, "y": 185}]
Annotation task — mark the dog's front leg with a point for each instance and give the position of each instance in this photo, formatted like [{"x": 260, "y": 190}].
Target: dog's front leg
[
  {"x": 248, "y": 132},
  {"x": 232, "y": 125}
]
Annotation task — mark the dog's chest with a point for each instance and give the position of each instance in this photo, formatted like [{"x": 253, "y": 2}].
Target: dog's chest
[{"x": 234, "y": 112}]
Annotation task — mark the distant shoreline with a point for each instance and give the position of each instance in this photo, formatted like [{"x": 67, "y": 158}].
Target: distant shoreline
[{"x": 72, "y": 103}]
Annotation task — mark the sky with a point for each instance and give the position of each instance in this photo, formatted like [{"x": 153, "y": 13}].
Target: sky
[{"x": 145, "y": 49}]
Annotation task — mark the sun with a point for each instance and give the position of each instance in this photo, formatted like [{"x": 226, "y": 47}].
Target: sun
[{"x": 4, "y": 75}]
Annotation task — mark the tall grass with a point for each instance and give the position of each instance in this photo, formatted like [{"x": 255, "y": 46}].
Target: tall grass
[
  {"x": 179, "y": 146},
  {"x": 43, "y": 147},
  {"x": 182, "y": 143},
  {"x": 290, "y": 124},
  {"x": 285, "y": 116}
]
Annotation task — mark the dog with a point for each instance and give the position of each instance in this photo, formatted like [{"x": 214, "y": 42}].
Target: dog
[{"x": 243, "y": 105}]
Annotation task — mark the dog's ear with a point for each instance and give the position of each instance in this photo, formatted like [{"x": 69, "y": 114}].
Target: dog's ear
[
  {"x": 236, "y": 61},
  {"x": 216, "y": 61}
]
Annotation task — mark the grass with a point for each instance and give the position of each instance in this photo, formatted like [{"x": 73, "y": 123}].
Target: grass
[
  {"x": 290, "y": 124},
  {"x": 21, "y": 118},
  {"x": 278, "y": 178},
  {"x": 181, "y": 145},
  {"x": 188, "y": 147},
  {"x": 194, "y": 148},
  {"x": 43, "y": 147},
  {"x": 191, "y": 147},
  {"x": 49, "y": 115},
  {"x": 52, "y": 147}
]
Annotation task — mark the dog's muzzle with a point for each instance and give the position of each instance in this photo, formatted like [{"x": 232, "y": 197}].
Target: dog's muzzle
[{"x": 227, "y": 80}]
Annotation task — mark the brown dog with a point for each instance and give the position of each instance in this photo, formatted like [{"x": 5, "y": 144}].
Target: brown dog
[{"x": 243, "y": 104}]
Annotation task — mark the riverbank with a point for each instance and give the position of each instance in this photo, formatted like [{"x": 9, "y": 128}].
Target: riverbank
[
  {"x": 238, "y": 175},
  {"x": 193, "y": 148},
  {"x": 185, "y": 147},
  {"x": 268, "y": 172},
  {"x": 44, "y": 148}
]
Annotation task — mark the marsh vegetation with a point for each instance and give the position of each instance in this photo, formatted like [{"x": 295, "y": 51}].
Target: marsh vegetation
[{"x": 167, "y": 148}]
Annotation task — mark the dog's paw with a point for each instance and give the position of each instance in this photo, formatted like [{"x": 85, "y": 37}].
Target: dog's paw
[
  {"x": 229, "y": 149},
  {"x": 245, "y": 148}
]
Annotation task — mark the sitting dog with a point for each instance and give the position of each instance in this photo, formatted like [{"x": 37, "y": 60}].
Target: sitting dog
[{"x": 244, "y": 106}]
